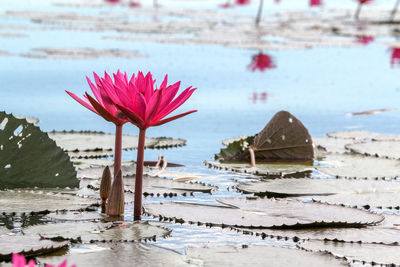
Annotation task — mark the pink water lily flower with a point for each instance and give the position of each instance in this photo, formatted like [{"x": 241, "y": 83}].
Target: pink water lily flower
[
  {"x": 145, "y": 106},
  {"x": 315, "y": 3},
  {"x": 395, "y": 57},
  {"x": 20, "y": 261},
  {"x": 261, "y": 62},
  {"x": 104, "y": 107}
]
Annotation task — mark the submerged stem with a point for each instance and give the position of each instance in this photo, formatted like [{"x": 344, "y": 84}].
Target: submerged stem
[
  {"x": 357, "y": 14},
  {"x": 117, "y": 149},
  {"x": 137, "y": 211},
  {"x": 259, "y": 12},
  {"x": 394, "y": 11}
]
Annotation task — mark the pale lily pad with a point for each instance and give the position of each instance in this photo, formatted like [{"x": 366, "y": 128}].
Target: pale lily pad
[
  {"x": 29, "y": 158},
  {"x": 75, "y": 216},
  {"x": 95, "y": 141},
  {"x": 366, "y": 199},
  {"x": 358, "y": 166},
  {"x": 388, "y": 255},
  {"x": 259, "y": 256},
  {"x": 29, "y": 245},
  {"x": 122, "y": 254},
  {"x": 270, "y": 170},
  {"x": 309, "y": 187},
  {"x": 4, "y": 231},
  {"x": 91, "y": 232},
  {"x": 388, "y": 232},
  {"x": 383, "y": 149},
  {"x": 364, "y": 135},
  {"x": 96, "y": 171},
  {"x": 332, "y": 145},
  {"x": 264, "y": 213},
  {"x": 24, "y": 201}
]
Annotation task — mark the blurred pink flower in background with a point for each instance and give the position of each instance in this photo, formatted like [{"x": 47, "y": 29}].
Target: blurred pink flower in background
[
  {"x": 363, "y": 39},
  {"x": 20, "y": 261},
  {"x": 242, "y": 2},
  {"x": 261, "y": 62},
  {"x": 134, "y": 4},
  {"x": 315, "y": 3},
  {"x": 395, "y": 57}
]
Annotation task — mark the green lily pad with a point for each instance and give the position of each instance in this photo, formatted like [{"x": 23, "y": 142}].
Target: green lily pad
[
  {"x": 314, "y": 187},
  {"x": 259, "y": 256},
  {"x": 358, "y": 166},
  {"x": 264, "y": 213},
  {"x": 28, "y": 245},
  {"x": 374, "y": 254},
  {"x": 383, "y": 149},
  {"x": 387, "y": 232},
  {"x": 95, "y": 141},
  {"x": 27, "y": 201},
  {"x": 29, "y": 158},
  {"x": 122, "y": 254},
  {"x": 270, "y": 170},
  {"x": 91, "y": 232}
]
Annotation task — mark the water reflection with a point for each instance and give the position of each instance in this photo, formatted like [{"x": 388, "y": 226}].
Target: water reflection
[
  {"x": 261, "y": 62},
  {"x": 134, "y": 4},
  {"x": 395, "y": 57},
  {"x": 259, "y": 97},
  {"x": 227, "y": 4}
]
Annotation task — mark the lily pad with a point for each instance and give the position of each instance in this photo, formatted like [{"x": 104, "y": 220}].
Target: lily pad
[
  {"x": 386, "y": 232},
  {"x": 364, "y": 135},
  {"x": 28, "y": 245},
  {"x": 358, "y": 166},
  {"x": 75, "y": 216},
  {"x": 259, "y": 256},
  {"x": 374, "y": 254},
  {"x": 264, "y": 213},
  {"x": 95, "y": 141},
  {"x": 332, "y": 145},
  {"x": 310, "y": 187},
  {"x": 29, "y": 158},
  {"x": 383, "y": 149},
  {"x": 269, "y": 170},
  {"x": 367, "y": 200},
  {"x": 90, "y": 232},
  {"x": 122, "y": 254},
  {"x": 36, "y": 201}
]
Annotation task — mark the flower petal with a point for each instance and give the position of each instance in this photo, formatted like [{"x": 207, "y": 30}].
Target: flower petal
[
  {"x": 133, "y": 117},
  {"x": 172, "y": 118},
  {"x": 102, "y": 111},
  {"x": 82, "y": 102}
]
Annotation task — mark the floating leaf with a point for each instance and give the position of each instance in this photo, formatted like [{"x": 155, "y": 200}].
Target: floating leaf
[
  {"x": 367, "y": 200},
  {"x": 383, "y": 149},
  {"x": 95, "y": 141},
  {"x": 314, "y": 187},
  {"x": 74, "y": 216},
  {"x": 259, "y": 256},
  {"x": 236, "y": 151},
  {"x": 358, "y": 166},
  {"x": 388, "y": 255},
  {"x": 28, "y": 245},
  {"x": 270, "y": 170},
  {"x": 385, "y": 233},
  {"x": 119, "y": 254},
  {"x": 332, "y": 145},
  {"x": 29, "y": 158},
  {"x": 90, "y": 231},
  {"x": 364, "y": 135},
  {"x": 25, "y": 201},
  {"x": 265, "y": 213}
]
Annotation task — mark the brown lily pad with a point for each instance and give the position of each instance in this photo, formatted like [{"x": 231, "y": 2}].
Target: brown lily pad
[
  {"x": 309, "y": 187},
  {"x": 374, "y": 254},
  {"x": 264, "y": 213},
  {"x": 91, "y": 232},
  {"x": 94, "y": 141},
  {"x": 28, "y": 245},
  {"x": 258, "y": 256}
]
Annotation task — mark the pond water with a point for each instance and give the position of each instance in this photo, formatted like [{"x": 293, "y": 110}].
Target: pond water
[{"x": 320, "y": 86}]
